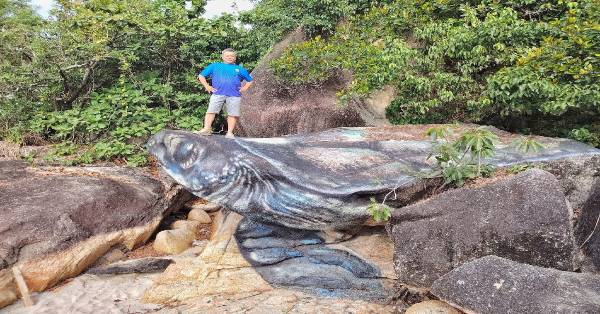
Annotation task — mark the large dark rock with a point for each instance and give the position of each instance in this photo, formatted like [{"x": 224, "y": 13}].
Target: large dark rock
[
  {"x": 319, "y": 181},
  {"x": 57, "y": 221},
  {"x": 47, "y": 209},
  {"x": 523, "y": 217},
  {"x": 496, "y": 285},
  {"x": 275, "y": 108}
]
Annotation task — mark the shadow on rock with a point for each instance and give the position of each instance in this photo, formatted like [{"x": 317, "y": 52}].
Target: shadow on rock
[{"x": 588, "y": 230}]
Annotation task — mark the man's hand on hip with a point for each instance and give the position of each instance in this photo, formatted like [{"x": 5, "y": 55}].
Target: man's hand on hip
[
  {"x": 204, "y": 83},
  {"x": 245, "y": 87}
]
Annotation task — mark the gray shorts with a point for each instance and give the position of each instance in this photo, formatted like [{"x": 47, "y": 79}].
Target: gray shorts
[{"x": 232, "y": 104}]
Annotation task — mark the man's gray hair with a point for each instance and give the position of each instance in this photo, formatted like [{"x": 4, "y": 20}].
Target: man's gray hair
[{"x": 228, "y": 50}]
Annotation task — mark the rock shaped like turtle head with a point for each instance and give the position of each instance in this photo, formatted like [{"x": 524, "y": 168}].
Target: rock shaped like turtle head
[{"x": 202, "y": 165}]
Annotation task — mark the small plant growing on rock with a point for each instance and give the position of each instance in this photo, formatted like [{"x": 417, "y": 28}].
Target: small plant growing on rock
[
  {"x": 514, "y": 169},
  {"x": 457, "y": 161},
  {"x": 461, "y": 159},
  {"x": 527, "y": 144},
  {"x": 379, "y": 211}
]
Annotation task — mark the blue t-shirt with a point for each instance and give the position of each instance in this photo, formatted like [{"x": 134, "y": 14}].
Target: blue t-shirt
[{"x": 226, "y": 78}]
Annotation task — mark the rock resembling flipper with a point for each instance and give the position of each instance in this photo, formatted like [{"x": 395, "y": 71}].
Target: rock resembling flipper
[{"x": 301, "y": 259}]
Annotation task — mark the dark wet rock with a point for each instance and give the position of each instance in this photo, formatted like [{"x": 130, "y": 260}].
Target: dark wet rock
[
  {"x": 496, "y": 285},
  {"x": 143, "y": 265},
  {"x": 320, "y": 181},
  {"x": 274, "y": 108},
  {"x": 523, "y": 217}
]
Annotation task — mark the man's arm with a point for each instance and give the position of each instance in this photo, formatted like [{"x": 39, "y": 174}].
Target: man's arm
[
  {"x": 244, "y": 73},
  {"x": 208, "y": 88},
  {"x": 245, "y": 87}
]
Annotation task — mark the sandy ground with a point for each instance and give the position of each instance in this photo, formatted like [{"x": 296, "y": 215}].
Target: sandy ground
[
  {"x": 122, "y": 294},
  {"x": 94, "y": 294}
]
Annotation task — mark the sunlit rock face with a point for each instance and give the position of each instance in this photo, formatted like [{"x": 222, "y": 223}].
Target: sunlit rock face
[{"x": 320, "y": 181}]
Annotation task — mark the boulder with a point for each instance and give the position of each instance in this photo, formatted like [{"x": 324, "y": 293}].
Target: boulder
[
  {"x": 199, "y": 215},
  {"x": 207, "y": 207},
  {"x": 57, "y": 221},
  {"x": 523, "y": 217},
  {"x": 493, "y": 284},
  {"x": 173, "y": 241},
  {"x": 273, "y": 108},
  {"x": 191, "y": 225},
  {"x": 110, "y": 257},
  {"x": 580, "y": 180},
  {"x": 8, "y": 288},
  {"x": 325, "y": 180}
]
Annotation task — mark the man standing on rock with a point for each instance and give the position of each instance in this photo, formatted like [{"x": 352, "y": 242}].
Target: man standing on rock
[{"x": 226, "y": 89}]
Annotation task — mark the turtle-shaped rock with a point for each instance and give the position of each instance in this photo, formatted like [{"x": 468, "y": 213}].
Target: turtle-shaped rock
[{"x": 319, "y": 181}]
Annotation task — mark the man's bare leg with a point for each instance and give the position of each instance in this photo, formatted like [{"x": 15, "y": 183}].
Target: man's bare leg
[
  {"x": 208, "y": 120},
  {"x": 231, "y": 122}
]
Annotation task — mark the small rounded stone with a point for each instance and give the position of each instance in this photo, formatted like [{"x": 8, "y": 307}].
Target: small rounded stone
[
  {"x": 199, "y": 216},
  {"x": 432, "y": 307},
  {"x": 185, "y": 224},
  {"x": 173, "y": 241}
]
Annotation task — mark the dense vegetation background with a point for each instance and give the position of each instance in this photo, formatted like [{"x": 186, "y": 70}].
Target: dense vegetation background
[{"x": 99, "y": 76}]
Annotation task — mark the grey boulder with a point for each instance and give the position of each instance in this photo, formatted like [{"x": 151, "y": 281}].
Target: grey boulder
[
  {"x": 580, "y": 179},
  {"x": 496, "y": 285},
  {"x": 524, "y": 217}
]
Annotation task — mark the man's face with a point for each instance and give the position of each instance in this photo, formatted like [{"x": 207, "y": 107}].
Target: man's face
[{"x": 229, "y": 57}]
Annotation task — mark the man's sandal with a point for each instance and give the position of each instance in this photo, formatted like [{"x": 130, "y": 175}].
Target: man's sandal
[
  {"x": 229, "y": 135},
  {"x": 204, "y": 132}
]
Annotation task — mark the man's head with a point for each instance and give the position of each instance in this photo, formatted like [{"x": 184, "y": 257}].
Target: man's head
[{"x": 228, "y": 56}]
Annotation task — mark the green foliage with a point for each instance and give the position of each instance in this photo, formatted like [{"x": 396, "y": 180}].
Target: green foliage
[
  {"x": 274, "y": 18},
  {"x": 529, "y": 66},
  {"x": 105, "y": 74},
  {"x": 584, "y": 135},
  {"x": 520, "y": 168},
  {"x": 461, "y": 160},
  {"x": 117, "y": 117},
  {"x": 379, "y": 211}
]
